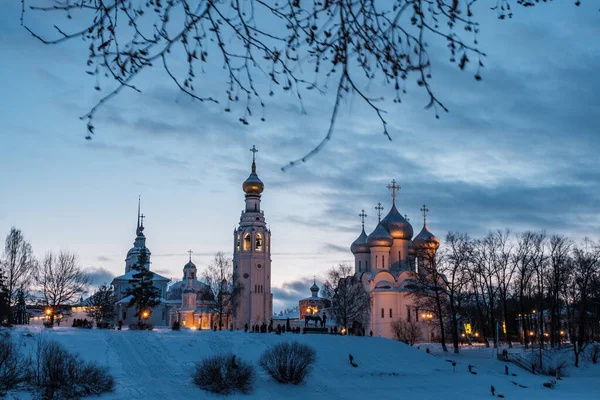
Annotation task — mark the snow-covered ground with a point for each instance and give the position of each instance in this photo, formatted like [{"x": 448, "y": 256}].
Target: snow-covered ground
[{"x": 158, "y": 365}]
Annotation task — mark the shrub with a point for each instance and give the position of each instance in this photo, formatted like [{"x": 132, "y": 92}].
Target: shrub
[
  {"x": 224, "y": 374},
  {"x": 12, "y": 369},
  {"x": 176, "y": 326},
  {"x": 288, "y": 362},
  {"x": 62, "y": 375},
  {"x": 406, "y": 331},
  {"x": 48, "y": 324},
  {"x": 141, "y": 327}
]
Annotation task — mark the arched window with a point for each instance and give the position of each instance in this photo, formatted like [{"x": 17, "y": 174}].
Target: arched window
[
  {"x": 237, "y": 246},
  {"x": 247, "y": 242},
  {"x": 376, "y": 262},
  {"x": 382, "y": 313},
  {"x": 383, "y": 262},
  {"x": 259, "y": 242}
]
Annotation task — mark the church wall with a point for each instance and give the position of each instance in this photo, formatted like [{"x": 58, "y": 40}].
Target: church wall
[
  {"x": 380, "y": 258},
  {"x": 399, "y": 254},
  {"x": 361, "y": 262}
]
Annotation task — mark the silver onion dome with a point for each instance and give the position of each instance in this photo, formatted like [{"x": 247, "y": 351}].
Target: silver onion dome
[
  {"x": 397, "y": 225},
  {"x": 360, "y": 244},
  {"x": 380, "y": 237}
]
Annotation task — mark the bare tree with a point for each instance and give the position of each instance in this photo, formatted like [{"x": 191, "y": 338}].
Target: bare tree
[
  {"x": 504, "y": 274},
  {"x": 406, "y": 331},
  {"x": 266, "y": 45},
  {"x": 522, "y": 259},
  {"x": 18, "y": 265},
  {"x": 225, "y": 290},
  {"x": 559, "y": 248},
  {"x": 586, "y": 271},
  {"x": 454, "y": 270},
  {"x": 350, "y": 301},
  {"x": 61, "y": 280}
]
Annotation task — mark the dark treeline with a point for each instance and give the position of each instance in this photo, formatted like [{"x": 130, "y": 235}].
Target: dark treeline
[{"x": 532, "y": 288}]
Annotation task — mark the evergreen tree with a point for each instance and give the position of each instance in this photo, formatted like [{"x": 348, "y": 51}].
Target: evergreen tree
[
  {"x": 145, "y": 295},
  {"x": 101, "y": 305},
  {"x": 20, "y": 309},
  {"x": 4, "y": 299}
]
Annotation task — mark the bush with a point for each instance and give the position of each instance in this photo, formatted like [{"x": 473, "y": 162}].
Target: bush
[
  {"x": 62, "y": 375},
  {"x": 12, "y": 369},
  {"x": 224, "y": 374},
  {"x": 288, "y": 362},
  {"x": 176, "y": 326},
  {"x": 104, "y": 325},
  {"x": 141, "y": 327},
  {"x": 48, "y": 324}
]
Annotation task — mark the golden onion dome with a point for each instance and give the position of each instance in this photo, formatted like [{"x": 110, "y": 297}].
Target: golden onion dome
[
  {"x": 253, "y": 185},
  {"x": 425, "y": 240},
  {"x": 360, "y": 244},
  {"x": 380, "y": 237},
  {"x": 397, "y": 225}
]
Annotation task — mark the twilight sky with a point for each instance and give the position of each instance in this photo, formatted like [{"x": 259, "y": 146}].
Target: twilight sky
[{"x": 518, "y": 150}]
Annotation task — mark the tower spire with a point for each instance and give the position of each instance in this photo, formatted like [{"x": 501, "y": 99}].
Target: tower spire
[
  {"x": 362, "y": 216},
  {"x": 393, "y": 187},
  {"x": 424, "y": 210},
  {"x": 140, "y": 219},
  {"x": 379, "y": 208},
  {"x": 254, "y": 151}
]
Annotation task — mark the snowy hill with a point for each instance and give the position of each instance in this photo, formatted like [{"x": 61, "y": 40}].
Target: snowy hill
[{"x": 158, "y": 364}]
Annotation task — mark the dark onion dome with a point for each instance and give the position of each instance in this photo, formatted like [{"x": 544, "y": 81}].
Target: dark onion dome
[
  {"x": 360, "y": 244},
  {"x": 397, "y": 225},
  {"x": 253, "y": 185},
  {"x": 425, "y": 240},
  {"x": 380, "y": 237},
  {"x": 314, "y": 287},
  {"x": 189, "y": 265}
]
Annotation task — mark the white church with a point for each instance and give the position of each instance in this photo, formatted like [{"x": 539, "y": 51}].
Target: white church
[
  {"x": 386, "y": 262},
  {"x": 190, "y": 301}
]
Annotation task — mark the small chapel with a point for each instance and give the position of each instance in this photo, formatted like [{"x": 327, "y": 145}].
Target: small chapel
[{"x": 386, "y": 262}]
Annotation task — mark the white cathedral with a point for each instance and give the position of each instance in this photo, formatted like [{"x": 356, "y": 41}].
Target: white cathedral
[
  {"x": 190, "y": 301},
  {"x": 386, "y": 262}
]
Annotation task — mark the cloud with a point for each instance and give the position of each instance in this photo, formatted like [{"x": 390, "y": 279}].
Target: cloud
[
  {"x": 103, "y": 259},
  {"x": 99, "y": 276}
]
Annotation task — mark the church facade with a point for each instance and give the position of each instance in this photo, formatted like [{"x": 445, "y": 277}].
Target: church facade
[
  {"x": 160, "y": 314},
  {"x": 252, "y": 257},
  {"x": 386, "y": 262}
]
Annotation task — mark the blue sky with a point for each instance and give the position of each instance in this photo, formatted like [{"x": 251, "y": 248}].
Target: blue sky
[{"x": 518, "y": 150}]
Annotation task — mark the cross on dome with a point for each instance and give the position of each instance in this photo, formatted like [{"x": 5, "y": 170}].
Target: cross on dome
[
  {"x": 379, "y": 208},
  {"x": 190, "y": 253},
  {"x": 254, "y": 151},
  {"x": 362, "y": 216},
  {"x": 424, "y": 211},
  {"x": 393, "y": 187}
]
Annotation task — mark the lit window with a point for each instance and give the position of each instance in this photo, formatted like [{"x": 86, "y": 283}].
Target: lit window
[
  {"x": 259, "y": 242},
  {"x": 247, "y": 242}
]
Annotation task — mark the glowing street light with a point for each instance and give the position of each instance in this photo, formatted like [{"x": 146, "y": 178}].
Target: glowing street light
[
  {"x": 145, "y": 314},
  {"x": 48, "y": 311}
]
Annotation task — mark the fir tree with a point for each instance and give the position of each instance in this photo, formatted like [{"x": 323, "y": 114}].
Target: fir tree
[
  {"x": 145, "y": 295},
  {"x": 101, "y": 306},
  {"x": 20, "y": 309}
]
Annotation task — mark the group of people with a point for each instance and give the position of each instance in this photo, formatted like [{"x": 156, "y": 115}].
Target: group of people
[{"x": 264, "y": 328}]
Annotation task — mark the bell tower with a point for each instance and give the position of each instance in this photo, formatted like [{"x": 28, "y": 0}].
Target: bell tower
[{"x": 252, "y": 257}]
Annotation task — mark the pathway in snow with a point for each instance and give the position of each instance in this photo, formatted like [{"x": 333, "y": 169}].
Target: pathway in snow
[{"x": 141, "y": 367}]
